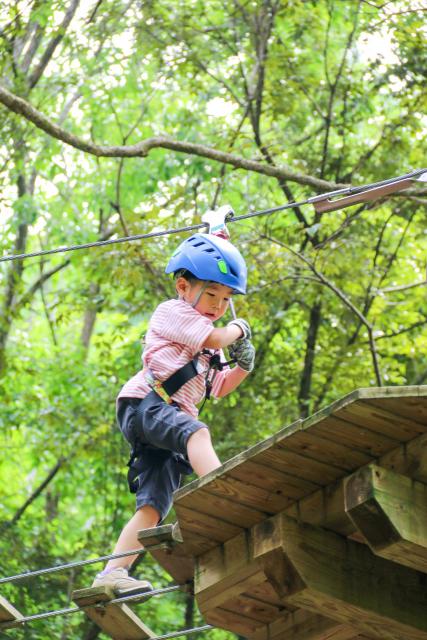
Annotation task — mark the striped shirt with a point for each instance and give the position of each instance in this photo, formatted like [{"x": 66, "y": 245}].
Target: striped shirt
[{"x": 176, "y": 333}]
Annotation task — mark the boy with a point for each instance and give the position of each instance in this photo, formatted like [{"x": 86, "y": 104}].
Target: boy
[{"x": 156, "y": 408}]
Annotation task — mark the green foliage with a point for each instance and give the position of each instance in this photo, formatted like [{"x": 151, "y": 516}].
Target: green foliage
[{"x": 331, "y": 89}]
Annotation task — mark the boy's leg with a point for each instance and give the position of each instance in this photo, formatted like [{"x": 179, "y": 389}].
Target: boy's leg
[
  {"x": 201, "y": 453},
  {"x": 145, "y": 518},
  {"x": 115, "y": 575}
]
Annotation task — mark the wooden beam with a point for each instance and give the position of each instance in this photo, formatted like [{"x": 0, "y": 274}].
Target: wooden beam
[
  {"x": 325, "y": 507},
  {"x": 305, "y": 625},
  {"x": 341, "y": 579},
  {"x": 390, "y": 511},
  {"x": 117, "y": 620},
  {"x": 8, "y": 613},
  {"x": 225, "y": 572}
]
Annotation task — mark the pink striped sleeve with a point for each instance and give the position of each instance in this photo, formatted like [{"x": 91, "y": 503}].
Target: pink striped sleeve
[{"x": 183, "y": 324}]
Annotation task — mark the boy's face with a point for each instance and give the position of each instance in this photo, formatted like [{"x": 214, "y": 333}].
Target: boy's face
[{"x": 212, "y": 303}]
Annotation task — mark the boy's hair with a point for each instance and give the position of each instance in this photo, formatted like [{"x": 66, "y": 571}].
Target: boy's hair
[{"x": 185, "y": 273}]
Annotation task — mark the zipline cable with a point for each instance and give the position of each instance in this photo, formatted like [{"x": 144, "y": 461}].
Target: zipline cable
[
  {"x": 156, "y": 234},
  {"x": 139, "y": 236}
]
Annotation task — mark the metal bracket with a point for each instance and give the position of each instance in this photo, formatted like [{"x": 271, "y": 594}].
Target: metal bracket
[{"x": 353, "y": 195}]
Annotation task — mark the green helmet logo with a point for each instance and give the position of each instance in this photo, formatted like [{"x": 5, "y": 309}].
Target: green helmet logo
[{"x": 222, "y": 265}]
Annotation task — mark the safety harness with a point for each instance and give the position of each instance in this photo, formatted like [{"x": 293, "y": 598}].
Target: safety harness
[{"x": 165, "y": 390}]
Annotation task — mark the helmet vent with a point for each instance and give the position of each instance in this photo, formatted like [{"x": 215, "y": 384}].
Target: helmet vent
[
  {"x": 198, "y": 244},
  {"x": 210, "y": 250}
]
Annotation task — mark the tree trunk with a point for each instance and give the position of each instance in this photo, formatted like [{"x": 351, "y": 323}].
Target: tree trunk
[
  {"x": 13, "y": 279},
  {"x": 93, "y": 306},
  {"x": 307, "y": 373}
]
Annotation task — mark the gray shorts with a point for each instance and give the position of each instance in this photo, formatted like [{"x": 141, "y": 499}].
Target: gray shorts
[{"x": 163, "y": 431}]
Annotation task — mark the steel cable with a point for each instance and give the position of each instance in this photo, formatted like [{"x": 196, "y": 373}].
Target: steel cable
[
  {"x": 194, "y": 227},
  {"x": 79, "y": 563},
  {"x": 65, "y": 612}
]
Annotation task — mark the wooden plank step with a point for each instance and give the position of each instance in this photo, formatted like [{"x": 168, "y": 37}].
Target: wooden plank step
[
  {"x": 172, "y": 554},
  {"x": 117, "y": 620},
  {"x": 167, "y": 534},
  {"x": 8, "y": 613}
]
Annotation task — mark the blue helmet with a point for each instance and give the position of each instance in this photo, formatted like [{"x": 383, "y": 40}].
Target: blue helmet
[{"x": 211, "y": 258}]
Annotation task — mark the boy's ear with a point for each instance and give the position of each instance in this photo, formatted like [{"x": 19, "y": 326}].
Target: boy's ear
[{"x": 181, "y": 286}]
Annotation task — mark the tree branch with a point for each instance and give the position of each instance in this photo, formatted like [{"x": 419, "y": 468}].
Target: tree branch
[
  {"x": 402, "y": 287},
  {"x": 50, "y": 49},
  {"x": 141, "y": 149},
  {"x": 52, "y": 473},
  {"x": 344, "y": 299}
]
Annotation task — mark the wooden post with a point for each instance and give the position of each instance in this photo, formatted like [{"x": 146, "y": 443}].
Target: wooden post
[{"x": 390, "y": 510}]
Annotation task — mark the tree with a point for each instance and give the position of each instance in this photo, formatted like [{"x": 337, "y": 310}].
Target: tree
[{"x": 120, "y": 118}]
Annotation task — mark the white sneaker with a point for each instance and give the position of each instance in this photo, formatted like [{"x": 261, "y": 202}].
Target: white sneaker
[{"x": 122, "y": 583}]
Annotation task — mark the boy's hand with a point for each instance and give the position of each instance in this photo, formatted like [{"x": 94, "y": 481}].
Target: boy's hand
[
  {"x": 244, "y": 326},
  {"x": 243, "y": 351}
]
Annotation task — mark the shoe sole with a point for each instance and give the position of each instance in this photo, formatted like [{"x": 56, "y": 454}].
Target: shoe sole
[{"x": 133, "y": 591}]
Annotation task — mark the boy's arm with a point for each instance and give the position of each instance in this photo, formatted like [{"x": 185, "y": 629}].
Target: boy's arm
[
  {"x": 224, "y": 336},
  {"x": 231, "y": 379}
]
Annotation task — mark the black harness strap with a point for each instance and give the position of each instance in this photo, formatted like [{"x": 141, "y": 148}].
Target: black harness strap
[
  {"x": 180, "y": 377},
  {"x": 171, "y": 386}
]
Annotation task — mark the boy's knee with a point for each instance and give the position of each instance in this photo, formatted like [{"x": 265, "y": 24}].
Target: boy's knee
[
  {"x": 201, "y": 435},
  {"x": 148, "y": 515}
]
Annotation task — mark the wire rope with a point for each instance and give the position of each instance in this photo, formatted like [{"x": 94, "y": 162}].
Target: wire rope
[
  {"x": 252, "y": 214},
  {"x": 70, "y": 565},
  {"x": 79, "y": 563},
  {"x": 139, "y": 236}
]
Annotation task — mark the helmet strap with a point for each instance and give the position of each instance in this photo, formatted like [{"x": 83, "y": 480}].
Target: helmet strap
[
  {"x": 205, "y": 284},
  {"x": 199, "y": 295}
]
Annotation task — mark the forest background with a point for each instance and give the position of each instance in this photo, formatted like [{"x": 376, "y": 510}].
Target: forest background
[{"x": 251, "y": 103}]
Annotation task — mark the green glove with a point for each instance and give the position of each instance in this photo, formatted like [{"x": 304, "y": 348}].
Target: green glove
[
  {"x": 244, "y": 326},
  {"x": 243, "y": 352}
]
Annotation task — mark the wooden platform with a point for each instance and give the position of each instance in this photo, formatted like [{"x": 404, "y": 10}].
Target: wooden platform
[{"x": 319, "y": 531}]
